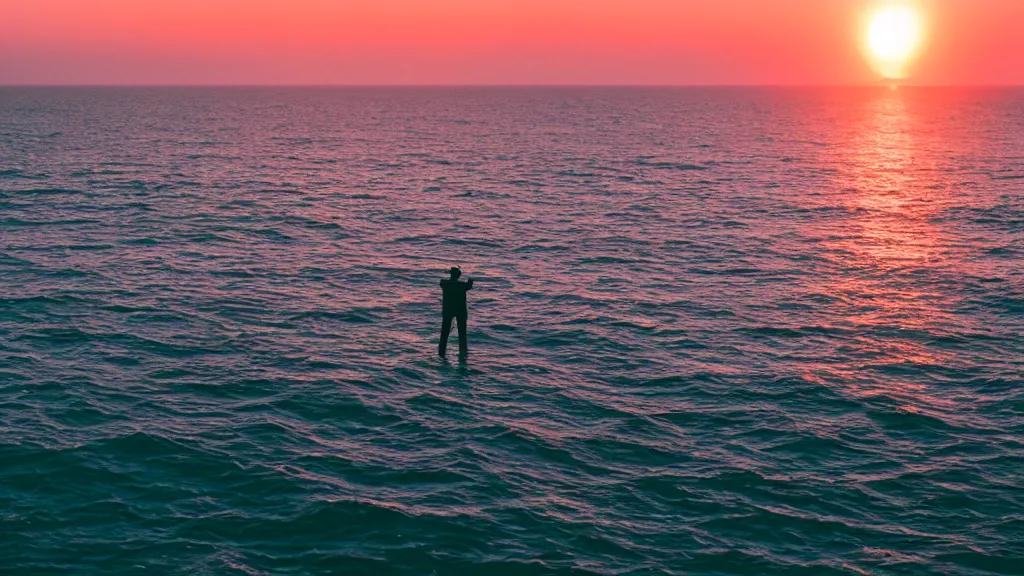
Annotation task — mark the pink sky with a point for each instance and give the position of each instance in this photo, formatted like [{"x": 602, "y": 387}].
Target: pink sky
[{"x": 488, "y": 42}]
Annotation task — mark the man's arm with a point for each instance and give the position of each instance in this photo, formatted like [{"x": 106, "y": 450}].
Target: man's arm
[{"x": 469, "y": 284}]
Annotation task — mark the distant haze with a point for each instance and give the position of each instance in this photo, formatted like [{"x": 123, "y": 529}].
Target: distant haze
[{"x": 489, "y": 42}]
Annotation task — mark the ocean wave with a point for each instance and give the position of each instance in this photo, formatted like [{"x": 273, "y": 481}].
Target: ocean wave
[{"x": 217, "y": 350}]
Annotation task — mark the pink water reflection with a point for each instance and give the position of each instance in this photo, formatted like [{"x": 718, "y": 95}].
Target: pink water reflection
[{"x": 890, "y": 252}]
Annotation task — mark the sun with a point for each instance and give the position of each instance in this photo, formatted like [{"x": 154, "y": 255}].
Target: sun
[{"x": 895, "y": 35}]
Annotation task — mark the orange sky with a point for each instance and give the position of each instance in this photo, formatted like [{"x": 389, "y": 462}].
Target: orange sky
[{"x": 488, "y": 42}]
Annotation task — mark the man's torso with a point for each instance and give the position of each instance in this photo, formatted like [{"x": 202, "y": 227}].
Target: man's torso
[{"x": 454, "y": 296}]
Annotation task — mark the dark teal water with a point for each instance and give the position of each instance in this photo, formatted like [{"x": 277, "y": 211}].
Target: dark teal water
[{"x": 713, "y": 331}]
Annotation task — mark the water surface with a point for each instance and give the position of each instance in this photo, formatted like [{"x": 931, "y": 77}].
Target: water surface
[{"x": 714, "y": 331}]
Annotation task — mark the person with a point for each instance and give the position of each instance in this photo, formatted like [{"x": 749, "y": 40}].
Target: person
[{"x": 453, "y": 306}]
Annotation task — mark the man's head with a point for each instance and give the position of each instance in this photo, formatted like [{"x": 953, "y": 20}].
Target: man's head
[{"x": 455, "y": 272}]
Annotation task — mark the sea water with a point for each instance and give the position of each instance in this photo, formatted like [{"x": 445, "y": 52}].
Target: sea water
[{"x": 713, "y": 331}]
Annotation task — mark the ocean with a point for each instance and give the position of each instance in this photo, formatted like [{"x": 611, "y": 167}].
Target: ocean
[{"x": 713, "y": 331}]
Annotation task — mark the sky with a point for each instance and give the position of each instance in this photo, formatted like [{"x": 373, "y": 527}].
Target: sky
[{"x": 668, "y": 42}]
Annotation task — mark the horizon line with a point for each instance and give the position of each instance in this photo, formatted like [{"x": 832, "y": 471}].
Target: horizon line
[{"x": 879, "y": 84}]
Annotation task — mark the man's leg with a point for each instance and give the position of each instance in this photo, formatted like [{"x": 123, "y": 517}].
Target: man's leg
[
  {"x": 463, "y": 336},
  {"x": 446, "y": 329}
]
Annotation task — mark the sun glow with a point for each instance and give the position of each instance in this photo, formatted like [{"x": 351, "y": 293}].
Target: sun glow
[{"x": 895, "y": 36}]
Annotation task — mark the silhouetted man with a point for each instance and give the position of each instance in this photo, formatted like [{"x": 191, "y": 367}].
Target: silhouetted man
[{"x": 454, "y": 306}]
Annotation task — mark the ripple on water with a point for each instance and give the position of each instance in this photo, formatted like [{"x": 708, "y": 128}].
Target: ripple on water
[{"x": 765, "y": 345}]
